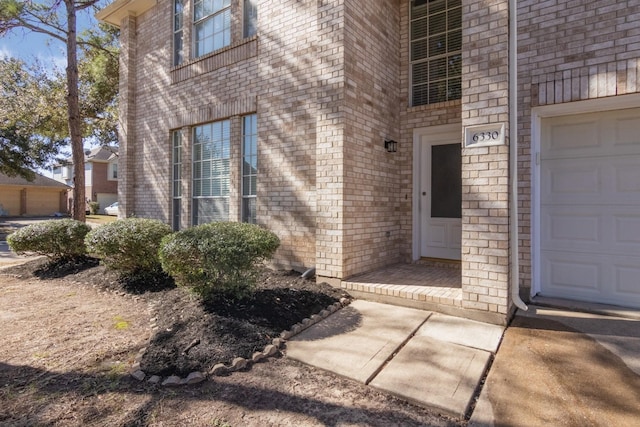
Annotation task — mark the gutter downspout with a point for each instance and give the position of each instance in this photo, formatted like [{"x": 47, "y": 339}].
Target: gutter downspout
[{"x": 513, "y": 154}]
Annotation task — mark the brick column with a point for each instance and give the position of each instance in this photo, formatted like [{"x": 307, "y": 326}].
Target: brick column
[
  {"x": 485, "y": 170},
  {"x": 127, "y": 113},
  {"x": 329, "y": 143}
]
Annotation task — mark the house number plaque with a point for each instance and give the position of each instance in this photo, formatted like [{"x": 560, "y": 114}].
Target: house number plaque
[{"x": 484, "y": 135}]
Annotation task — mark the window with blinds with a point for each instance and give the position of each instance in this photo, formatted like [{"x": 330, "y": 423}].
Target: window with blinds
[
  {"x": 436, "y": 51},
  {"x": 211, "y": 172},
  {"x": 212, "y": 22}
]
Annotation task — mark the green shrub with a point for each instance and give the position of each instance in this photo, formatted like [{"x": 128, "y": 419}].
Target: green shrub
[
  {"x": 129, "y": 245},
  {"x": 220, "y": 257},
  {"x": 94, "y": 207},
  {"x": 57, "y": 239}
]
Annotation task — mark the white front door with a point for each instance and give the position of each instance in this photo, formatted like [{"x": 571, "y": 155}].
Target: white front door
[
  {"x": 440, "y": 194},
  {"x": 590, "y": 207}
]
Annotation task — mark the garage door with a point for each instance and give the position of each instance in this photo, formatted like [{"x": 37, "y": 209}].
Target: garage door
[
  {"x": 590, "y": 207},
  {"x": 10, "y": 201},
  {"x": 42, "y": 202},
  {"x": 106, "y": 199}
]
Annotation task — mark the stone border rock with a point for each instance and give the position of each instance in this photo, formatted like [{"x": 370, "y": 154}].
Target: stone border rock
[{"x": 239, "y": 363}]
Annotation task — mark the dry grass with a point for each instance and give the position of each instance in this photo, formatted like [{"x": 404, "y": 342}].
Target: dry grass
[
  {"x": 101, "y": 219},
  {"x": 67, "y": 348}
]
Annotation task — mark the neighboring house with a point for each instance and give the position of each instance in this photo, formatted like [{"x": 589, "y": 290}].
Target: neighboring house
[
  {"x": 100, "y": 175},
  {"x": 371, "y": 132},
  {"x": 41, "y": 197}
]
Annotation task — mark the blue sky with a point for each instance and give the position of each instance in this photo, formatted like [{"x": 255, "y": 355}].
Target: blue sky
[
  {"x": 50, "y": 52},
  {"x": 28, "y": 45}
]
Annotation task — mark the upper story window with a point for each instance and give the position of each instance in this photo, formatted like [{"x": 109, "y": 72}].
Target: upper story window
[
  {"x": 212, "y": 25},
  {"x": 178, "y": 44},
  {"x": 112, "y": 171},
  {"x": 436, "y": 51},
  {"x": 250, "y": 11}
]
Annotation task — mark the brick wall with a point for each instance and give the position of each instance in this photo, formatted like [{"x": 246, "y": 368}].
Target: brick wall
[
  {"x": 100, "y": 181},
  {"x": 127, "y": 117},
  {"x": 288, "y": 100},
  {"x": 330, "y": 139},
  {"x": 279, "y": 84},
  {"x": 329, "y": 81},
  {"x": 569, "y": 51},
  {"x": 371, "y": 229},
  {"x": 485, "y": 170}
]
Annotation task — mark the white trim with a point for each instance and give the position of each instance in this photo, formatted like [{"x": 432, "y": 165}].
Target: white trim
[
  {"x": 589, "y": 106},
  {"x": 119, "y": 9},
  {"x": 433, "y": 133},
  {"x": 110, "y": 167},
  {"x": 537, "y": 114},
  {"x": 536, "y": 122}
]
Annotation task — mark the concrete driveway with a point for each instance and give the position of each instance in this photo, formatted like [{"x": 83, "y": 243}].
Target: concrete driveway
[
  {"x": 559, "y": 367},
  {"x": 7, "y": 226}
]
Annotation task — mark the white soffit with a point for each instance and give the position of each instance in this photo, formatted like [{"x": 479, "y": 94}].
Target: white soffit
[{"x": 119, "y": 9}]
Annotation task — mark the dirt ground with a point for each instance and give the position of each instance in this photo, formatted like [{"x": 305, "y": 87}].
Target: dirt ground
[{"x": 68, "y": 345}]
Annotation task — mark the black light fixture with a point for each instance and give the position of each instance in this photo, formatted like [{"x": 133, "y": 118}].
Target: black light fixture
[{"x": 391, "y": 146}]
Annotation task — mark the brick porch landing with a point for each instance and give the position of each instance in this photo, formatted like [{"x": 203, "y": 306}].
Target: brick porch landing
[{"x": 422, "y": 285}]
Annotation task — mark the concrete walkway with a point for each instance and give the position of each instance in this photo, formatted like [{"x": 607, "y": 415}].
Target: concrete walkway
[
  {"x": 554, "y": 367},
  {"x": 431, "y": 359}
]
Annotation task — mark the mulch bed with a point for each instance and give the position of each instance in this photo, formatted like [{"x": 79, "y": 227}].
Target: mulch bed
[{"x": 194, "y": 336}]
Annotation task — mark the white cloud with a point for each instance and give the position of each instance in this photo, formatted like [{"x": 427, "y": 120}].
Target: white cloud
[
  {"x": 5, "y": 52},
  {"x": 52, "y": 63}
]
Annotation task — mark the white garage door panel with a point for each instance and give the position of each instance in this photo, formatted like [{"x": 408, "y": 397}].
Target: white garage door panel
[
  {"x": 584, "y": 277},
  {"x": 567, "y": 271},
  {"x": 606, "y": 180},
  {"x": 595, "y": 134},
  {"x": 625, "y": 125},
  {"x": 627, "y": 277},
  {"x": 573, "y": 178},
  {"x": 564, "y": 137},
  {"x": 627, "y": 229},
  {"x": 591, "y": 228},
  {"x": 564, "y": 227},
  {"x": 590, "y": 207},
  {"x": 627, "y": 176}
]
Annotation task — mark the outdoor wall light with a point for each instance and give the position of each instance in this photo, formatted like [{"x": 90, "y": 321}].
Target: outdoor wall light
[{"x": 391, "y": 146}]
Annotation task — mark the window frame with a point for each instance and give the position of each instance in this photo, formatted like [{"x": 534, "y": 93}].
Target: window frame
[
  {"x": 250, "y": 176},
  {"x": 178, "y": 32},
  {"x": 449, "y": 59},
  {"x": 111, "y": 168},
  {"x": 227, "y": 32},
  {"x": 199, "y": 164},
  {"x": 176, "y": 177},
  {"x": 249, "y": 18}
]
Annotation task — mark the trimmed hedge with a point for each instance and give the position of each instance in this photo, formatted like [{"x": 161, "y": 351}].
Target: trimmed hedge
[
  {"x": 129, "y": 246},
  {"x": 57, "y": 239},
  {"x": 219, "y": 257}
]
